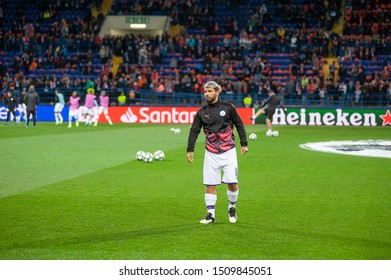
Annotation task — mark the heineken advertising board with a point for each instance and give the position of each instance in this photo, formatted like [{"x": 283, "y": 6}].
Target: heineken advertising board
[{"x": 330, "y": 117}]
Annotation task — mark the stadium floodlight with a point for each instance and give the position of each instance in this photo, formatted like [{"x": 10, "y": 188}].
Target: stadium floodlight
[{"x": 138, "y": 25}]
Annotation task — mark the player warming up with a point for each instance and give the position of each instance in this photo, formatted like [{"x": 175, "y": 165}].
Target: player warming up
[
  {"x": 103, "y": 108},
  {"x": 268, "y": 109},
  {"x": 89, "y": 104},
  {"x": 11, "y": 103},
  {"x": 58, "y": 107},
  {"x": 74, "y": 104},
  {"x": 217, "y": 119},
  {"x": 21, "y": 107}
]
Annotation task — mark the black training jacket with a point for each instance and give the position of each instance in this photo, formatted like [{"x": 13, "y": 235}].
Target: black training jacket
[
  {"x": 218, "y": 120},
  {"x": 11, "y": 102}
]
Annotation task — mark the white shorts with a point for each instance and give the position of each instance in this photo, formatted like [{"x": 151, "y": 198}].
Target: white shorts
[
  {"x": 58, "y": 107},
  {"x": 22, "y": 107},
  {"x": 73, "y": 113},
  {"x": 88, "y": 111},
  {"x": 103, "y": 110},
  {"x": 215, "y": 163}
]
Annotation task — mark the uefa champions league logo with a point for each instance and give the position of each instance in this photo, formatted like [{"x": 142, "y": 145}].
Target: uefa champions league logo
[{"x": 368, "y": 148}]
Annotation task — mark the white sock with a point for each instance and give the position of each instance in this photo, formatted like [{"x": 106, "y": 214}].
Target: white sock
[
  {"x": 108, "y": 119},
  {"x": 60, "y": 118},
  {"x": 56, "y": 116},
  {"x": 210, "y": 202},
  {"x": 232, "y": 198}
]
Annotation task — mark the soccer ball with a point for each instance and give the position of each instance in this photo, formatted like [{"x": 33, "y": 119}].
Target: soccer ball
[
  {"x": 269, "y": 133},
  {"x": 275, "y": 133},
  {"x": 177, "y": 131},
  {"x": 252, "y": 136},
  {"x": 140, "y": 155},
  {"x": 148, "y": 157},
  {"x": 158, "y": 155}
]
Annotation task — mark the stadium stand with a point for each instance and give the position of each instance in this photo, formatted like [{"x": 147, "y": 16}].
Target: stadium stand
[{"x": 248, "y": 46}]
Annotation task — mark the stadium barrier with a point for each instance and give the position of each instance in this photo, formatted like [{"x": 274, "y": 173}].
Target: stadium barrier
[
  {"x": 295, "y": 116},
  {"x": 132, "y": 114}
]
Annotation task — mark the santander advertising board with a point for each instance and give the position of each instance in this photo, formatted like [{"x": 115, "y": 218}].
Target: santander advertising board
[{"x": 166, "y": 115}]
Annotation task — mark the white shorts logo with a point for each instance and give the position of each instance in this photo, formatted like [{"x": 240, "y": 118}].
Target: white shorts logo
[{"x": 222, "y": 113}]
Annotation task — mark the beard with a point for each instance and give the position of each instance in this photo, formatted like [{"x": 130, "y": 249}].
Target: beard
[{"x": 212, "y": 100}]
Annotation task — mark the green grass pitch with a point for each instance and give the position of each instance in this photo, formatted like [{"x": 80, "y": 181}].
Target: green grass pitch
[{"x": 80, "y": 194}]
